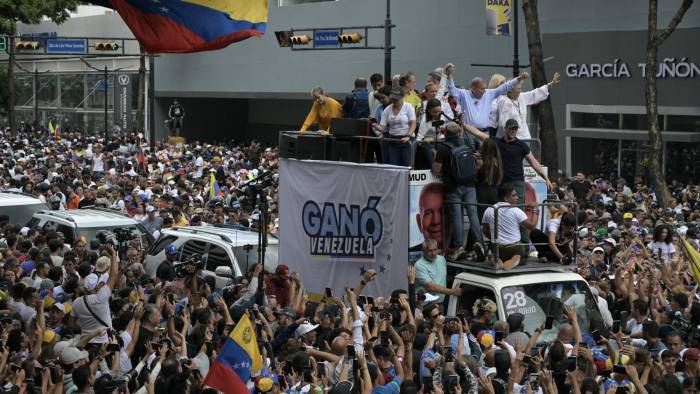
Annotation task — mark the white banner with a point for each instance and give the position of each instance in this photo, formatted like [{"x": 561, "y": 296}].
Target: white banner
[{"x": 338, "y": 220}]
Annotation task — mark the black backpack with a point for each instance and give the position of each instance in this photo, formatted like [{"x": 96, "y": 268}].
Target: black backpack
[{"x": 462, "y": 164}]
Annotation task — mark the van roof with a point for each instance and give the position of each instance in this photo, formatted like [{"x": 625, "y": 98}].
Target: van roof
[
  {"x": 18, "y": 198},
  {"x": 231, "y": 235},
  {"x": 92, "y": 217},
  {"x": 528, "y": 274}
]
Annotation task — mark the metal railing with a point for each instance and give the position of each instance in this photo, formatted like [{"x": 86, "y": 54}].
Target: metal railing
[{"x": 494, "y": 243}]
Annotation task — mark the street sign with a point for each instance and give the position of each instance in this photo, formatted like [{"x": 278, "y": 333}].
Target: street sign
[
  {"x": 3, "y": 43},
  {"x": 66, "y": 46},
  {"x": 326, "y": 38}
]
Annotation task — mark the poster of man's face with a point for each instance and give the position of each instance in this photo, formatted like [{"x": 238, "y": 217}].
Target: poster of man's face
[{"x": 426, "y": 198}]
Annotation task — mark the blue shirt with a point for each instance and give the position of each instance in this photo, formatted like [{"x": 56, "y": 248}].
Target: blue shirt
[
  {"x": 392, "y": 387},
  {"x": 476, "y": 111},
  {"x": 431, "y": 272}
]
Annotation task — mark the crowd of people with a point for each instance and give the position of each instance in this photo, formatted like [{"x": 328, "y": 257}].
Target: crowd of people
[{"x": 83, "y": 318}]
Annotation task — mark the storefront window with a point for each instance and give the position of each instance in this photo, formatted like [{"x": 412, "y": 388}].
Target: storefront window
[
  {"x": 634, "y": 160},
  {"x": 683, "y": 161},
  {"x": 96, "y": 91},
  {"x": 683, "y": 123},
  {"x": 603, "y": 160},
  {"x": 595, "y": 121}
]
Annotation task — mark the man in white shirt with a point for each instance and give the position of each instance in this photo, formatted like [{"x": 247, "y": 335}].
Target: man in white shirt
[
  {"x": 513, "y": 105},
  {"x": 510, "y": 249},
  {"x": 99, "y": 289}
]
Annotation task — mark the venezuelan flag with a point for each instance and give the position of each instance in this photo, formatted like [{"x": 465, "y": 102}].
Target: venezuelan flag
[
  {"x": 237, "y": 359},
  {"x": 214, "y": 190},
  {"x": 179, "y": 26}
]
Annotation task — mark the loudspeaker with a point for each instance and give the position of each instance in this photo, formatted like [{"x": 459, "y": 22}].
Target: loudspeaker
[
  {"x": 348, "y": 150},
  {"x": 288, "y": 146},
  {"x": 312, "y": 147}
]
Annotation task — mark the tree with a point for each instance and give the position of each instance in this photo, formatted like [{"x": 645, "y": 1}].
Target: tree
[
  {"x": 654, "y": 40},
  {"x": 30, "y": 12},
  {"x": 543, "y": 111}
]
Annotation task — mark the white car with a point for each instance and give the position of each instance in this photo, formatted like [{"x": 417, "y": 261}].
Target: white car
[
  {"x": 88, "y": 222},
  {"x": 226, "y": 252},
  {"x": 20, "y": 207},
  {"x": 535, "y": 290}
]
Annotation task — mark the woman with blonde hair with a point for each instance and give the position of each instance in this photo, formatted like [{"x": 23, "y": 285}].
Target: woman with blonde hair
[{"x": 495, "y": 81}]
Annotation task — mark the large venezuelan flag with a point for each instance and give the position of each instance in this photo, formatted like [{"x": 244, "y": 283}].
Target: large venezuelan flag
[
  {"x": 238, "y": 357},
  {"x": 177, "y": 26}
]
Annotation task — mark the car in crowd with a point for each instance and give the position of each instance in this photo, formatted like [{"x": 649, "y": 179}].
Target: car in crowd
[
  {"x": 19, "y": 207},
  {"x": 88, "y": 223},
  {"x": 225, "y": 252},
  {"x": 537, "y": 291}
]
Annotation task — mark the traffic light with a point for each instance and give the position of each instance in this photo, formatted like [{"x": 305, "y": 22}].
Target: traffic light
[
  {"x": 107, "y": 46},
  {"x": 352, "y": 38},
  {"x": 27, "y": 45},
  {"x": 300, "y": 40}
]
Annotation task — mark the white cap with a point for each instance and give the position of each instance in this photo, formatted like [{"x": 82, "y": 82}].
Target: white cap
[
  {"x": 304, "y": 329},
  {"x": 598, "y": 249},
  {"x": 72, "y": 354},
  {"x": 24, "y": 231},
  {"x": 90, "y": 282},
  {"x": 610, "y": 241},
  {"x": 150, "y": 208}
]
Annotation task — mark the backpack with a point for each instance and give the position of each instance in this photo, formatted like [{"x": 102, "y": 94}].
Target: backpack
[{"x": 462, "y": 164}]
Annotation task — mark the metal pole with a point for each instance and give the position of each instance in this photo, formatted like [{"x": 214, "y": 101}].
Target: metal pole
[
  {"x": 152, "y": 100},
  {"x": 387, "y": 44},
  {"x": 36, "y": 97},
  {"x": 106, "y": 84},
  {"x": 11, "y": 81},
  {"x": 516, "y": 61}
]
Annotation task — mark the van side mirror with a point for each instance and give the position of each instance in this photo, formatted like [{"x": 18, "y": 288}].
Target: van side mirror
[{"x": 224, "y": 271}]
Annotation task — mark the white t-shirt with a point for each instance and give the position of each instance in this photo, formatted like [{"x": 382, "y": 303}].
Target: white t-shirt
[
  {"x": 199, "y": 167},
  {"x": 666, "y": 249},
  {"x": 509, "y": 220},
  {"x": 553, "y": 225},
  {"x": 97, "y": 163},
  {"x": 398, "y": 124},
  {"x": 99, "y": 303}
]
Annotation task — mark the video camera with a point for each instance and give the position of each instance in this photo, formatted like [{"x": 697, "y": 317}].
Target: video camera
[
  {"x": 190, "y": 266},
  {"x": 114, "y": 237}
]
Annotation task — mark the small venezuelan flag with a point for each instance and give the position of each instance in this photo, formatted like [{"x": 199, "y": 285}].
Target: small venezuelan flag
[
  {"x": 178, "y": 26},
  {"x": 214, "y": 190},
  {"x": 237, "y": 359}
]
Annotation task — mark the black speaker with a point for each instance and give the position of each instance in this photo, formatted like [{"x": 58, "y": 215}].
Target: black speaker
[
  {"x": 348, "y": 150},
  {"x": 312, "y": 147},
  {"x": 288, "y": 145}
]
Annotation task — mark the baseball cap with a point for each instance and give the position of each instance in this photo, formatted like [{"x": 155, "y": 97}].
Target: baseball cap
[
  {"x": 396, "y": 93},
  {"x": 610, "y": 241},
  {"x": 150, "y": 209},
  {"x": 170, "y": 249},
  {"x": 71, "y": 355},
  {"x": 304, "y": 329},
  {"x": 281, "y": 268},
  {"x": 511, "y": 124},
  {"x": 627, "y": 215},
  {"x": 598, "y": 249}
]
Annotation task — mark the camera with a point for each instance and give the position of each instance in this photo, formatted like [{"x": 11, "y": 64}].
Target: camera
[
  {"x": 107, "y": 238},
  {"x": 190, "y": 266},
  {"x": 438, "y": 123},
  {"x": 680, "y": 323}
]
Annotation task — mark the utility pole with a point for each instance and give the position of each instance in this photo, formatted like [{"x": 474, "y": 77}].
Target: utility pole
[
  {"x": 106, "y": 84},
  {"x": 387, "y": 44},
  {"x": 152, "y": 99},
  {"x": 36, "y": 96},
  {"x": 11, "y": 83}
]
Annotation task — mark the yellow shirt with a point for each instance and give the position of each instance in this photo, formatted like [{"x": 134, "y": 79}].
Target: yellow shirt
[
  {"x": 413, "y": 99},
  {"x": 322, "y": 114}
]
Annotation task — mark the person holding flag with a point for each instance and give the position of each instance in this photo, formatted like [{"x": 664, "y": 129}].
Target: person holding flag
[{"x": 237, "y": 359}]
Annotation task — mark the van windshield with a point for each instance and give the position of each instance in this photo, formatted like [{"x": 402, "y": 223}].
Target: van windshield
[{"x": 538, "y": 300}]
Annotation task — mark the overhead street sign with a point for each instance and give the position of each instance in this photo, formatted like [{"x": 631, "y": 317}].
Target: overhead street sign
[
  {"x": 71, "y": 46},
  {"x": 326, "y": 38}
]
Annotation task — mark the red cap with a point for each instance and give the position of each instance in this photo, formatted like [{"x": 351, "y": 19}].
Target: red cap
[{"x": 692, "y": 354}]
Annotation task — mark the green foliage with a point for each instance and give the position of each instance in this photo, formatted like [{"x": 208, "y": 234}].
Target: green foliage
[{"x": 32, "y": 11}]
